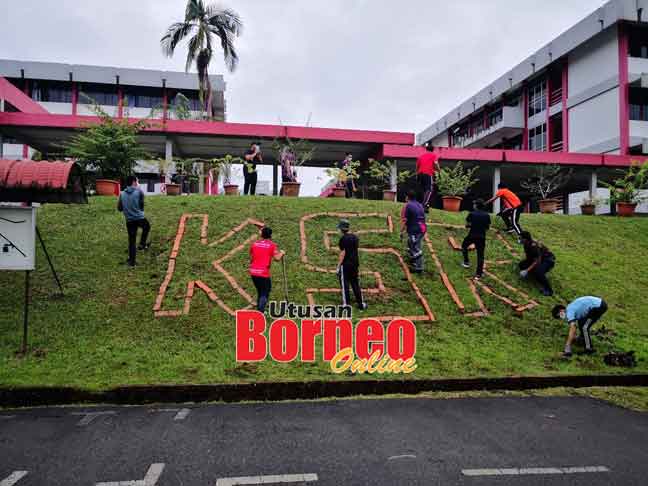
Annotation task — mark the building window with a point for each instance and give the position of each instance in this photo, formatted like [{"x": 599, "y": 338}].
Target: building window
[
  {"x": 495, "y": 116},
  {"x": 51, "y": 91},
  {"x": 537, "y": 98},
  {"x": 138, "y": 97},
  {"x": 538, "y": 138},
  {"x": 102, "y": 94}
]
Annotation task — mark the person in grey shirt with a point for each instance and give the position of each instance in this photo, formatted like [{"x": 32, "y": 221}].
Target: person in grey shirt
[{"x": 131, "y": 203}]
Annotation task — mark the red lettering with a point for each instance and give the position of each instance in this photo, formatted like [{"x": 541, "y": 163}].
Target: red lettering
[
  {"x": 309, "y": 330},
  {"x": 331, "y": 343},
  {"x": 251, "y": 344},
  {"x": 369, "y": 338},
  {"x": 284, "y": 340},
  {"x": 401, "y": 339}
]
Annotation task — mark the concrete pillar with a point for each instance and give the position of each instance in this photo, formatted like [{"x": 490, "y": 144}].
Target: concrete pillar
[
  {"x": 201, "y": 178},
  {"x": 168, "y": 156},
  {"x": 275, "y": 177},
  {"x": 593, "y": 184},
  {"x": 497, "y": 177},
  {"x": 393, "y": 176}
]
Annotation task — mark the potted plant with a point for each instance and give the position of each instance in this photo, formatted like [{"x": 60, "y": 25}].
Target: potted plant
[
  {"x": 545, "y": 183},
  {"x": 109, "y": 148},
  {"x": 453, "y": 183},
  {"x": 588, "y": 205},
  {"x": 338, "y": 178},
  {"x": 225, "y": 166},
  {"x": 625, "y": 191},
  {"x": 292, "y": 154},
  {"x": 380, "y": 176}
]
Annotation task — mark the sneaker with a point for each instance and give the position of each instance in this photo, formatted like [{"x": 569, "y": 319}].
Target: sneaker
[
  {"x": 363, "y": 306},
  {"x": 465, "y": 265},
  {"x": 547, "y": 292},
  {"x": 478, "y": 277},
  {"x": 145, "y": 246},
  {"x": 510, "y": 230}
]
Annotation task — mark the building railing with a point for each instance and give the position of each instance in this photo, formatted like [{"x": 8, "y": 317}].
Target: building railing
[
  {"x": 556, "y": 97},
  {"x": 557, "y": 146}
]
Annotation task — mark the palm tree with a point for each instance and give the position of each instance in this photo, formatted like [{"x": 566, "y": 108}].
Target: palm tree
[{"x": 203, "y": 23}]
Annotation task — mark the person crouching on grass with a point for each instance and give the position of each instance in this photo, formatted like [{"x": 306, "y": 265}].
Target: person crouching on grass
[
  {"x": 538, "y": 261},
  {"x": 261, "y": 254},
  {"x": 348, "y": 265},
  {"x": 131, "y": 203},
  {"x": 583, "y": 312},
  {"x": 478, "y": 221}
]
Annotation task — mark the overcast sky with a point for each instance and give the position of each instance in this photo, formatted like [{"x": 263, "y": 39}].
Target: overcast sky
[{"x": 366, "y": 64}]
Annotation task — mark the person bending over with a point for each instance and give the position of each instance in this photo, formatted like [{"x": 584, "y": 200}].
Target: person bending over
[
  {"x": 478, "y": 221},
  {"x": 512, "y": 208},
  {"x": 131, "y": 203},
  {"x": 413, "y": 221},
  {"x": 348, "y": 265},
  {"x": 581, "y": 313},
  {"x": 538, "y": 262},
  {"x": 261, "y": 254}
]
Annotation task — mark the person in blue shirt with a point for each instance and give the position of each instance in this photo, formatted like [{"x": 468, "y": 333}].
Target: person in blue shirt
[
  {"x": 131, "y": 203},
  {"x": 413, "y": 222},
  {"x": 583, "y": 312}
]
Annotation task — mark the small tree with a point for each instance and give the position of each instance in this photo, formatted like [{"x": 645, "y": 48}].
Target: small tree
[
  {"x": 110, "y": 147},
  {"x": 455, "y": 181},
  {"x": 303, "y": 150},
  {"x": 379, "y": 173},
  {"x": 181, "y": 107},
  {"x": 225, "y": 167},
  {"x": 626, "y": 189},
  {"x": 546, "y": 181}
]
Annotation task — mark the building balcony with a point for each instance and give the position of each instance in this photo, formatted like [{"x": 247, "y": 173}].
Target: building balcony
[
  {"x": 508, "y": 126},
  {"x": 638, "y": 72}
]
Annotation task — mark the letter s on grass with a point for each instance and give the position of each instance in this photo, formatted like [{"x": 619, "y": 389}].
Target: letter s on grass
[
  {"x": 251, "y": 344},
  {"x": 345, "y": 353}
]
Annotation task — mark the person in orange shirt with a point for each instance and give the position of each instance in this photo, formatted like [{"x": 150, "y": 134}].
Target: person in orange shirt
[{"x": 512, "y": 208}]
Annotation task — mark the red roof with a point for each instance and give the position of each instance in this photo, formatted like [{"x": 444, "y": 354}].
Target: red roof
[{"x": 41, "y": 175}]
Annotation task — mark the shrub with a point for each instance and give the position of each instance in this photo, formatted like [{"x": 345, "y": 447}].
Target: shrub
[{"x": 455, "y": 181}]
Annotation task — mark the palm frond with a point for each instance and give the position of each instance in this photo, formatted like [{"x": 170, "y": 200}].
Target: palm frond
[
  {"x": 174, "y": 35},
  {"x": 195, "y": 10}
]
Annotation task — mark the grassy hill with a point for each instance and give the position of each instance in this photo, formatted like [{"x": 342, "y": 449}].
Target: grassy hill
[{"x": 104, "y": 331}]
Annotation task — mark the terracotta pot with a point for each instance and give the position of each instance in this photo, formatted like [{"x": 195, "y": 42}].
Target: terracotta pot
[
  {"x": 339, "y": 192},
  {"x": 389, "y": 195},
  {"x": 290, "y": 189},
  {"x": 588, "y": 209},
  {"x": 452, "y": 203},
  {"x": 548, "y": 206},
  {"x": 107, "y": 187},
  {"x": 625, "y": 209},
  {"x": 173, "y": 189},
  {"x": 231, "y": 190}
]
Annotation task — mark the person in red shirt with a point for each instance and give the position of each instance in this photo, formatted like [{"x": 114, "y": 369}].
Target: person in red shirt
[
  {"x": 425, "y": 167},
  {"x": 261, "y": 254},
  {"x": 512, "y": 208}
]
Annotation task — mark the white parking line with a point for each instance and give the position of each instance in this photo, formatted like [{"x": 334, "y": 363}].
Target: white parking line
[
  {"x": 88, "y": 417},
  {"x": 273, "y": 479},
  {"x": 152, "y": 475},
  {"x": 515, "y": 471},
  {"x": 181, "y": 413},
  {"x": 402, "y": 456},
  {"x": 13, "y": 478}
]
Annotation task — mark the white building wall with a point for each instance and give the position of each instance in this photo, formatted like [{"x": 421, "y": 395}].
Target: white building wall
[
  {"x": 57, "y": 108},
  {"x": 594, "y": 62},
  {"x": 595, "y": 122}
]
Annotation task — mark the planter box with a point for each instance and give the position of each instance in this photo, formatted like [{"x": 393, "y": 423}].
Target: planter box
[
  {"x": 339, "y": 192},
  {"x": 625, "y": 210},
  {"x": 290, "y": 189},
  {"x": 389, "y": 195},
  {"x": 452, "y": 203},
  {"x": 548, "y": 206},
  {"x": 173, "y": 189},
  {"x": 588, "y": 209},
  {"x": 107, "y": 187},
  {"x": 231, "y": 190}
]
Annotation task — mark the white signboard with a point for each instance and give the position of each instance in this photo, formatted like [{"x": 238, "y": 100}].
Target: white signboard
[{"x": 17, "y": 238}]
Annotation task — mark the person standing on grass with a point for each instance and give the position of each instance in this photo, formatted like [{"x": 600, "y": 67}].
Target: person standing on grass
[
  {"x": 538, "y": 262},
  {"x": 345, "y": 178},
  {"x": 131, "y": 203},
  {"x": 348, "y": 265},
  {"x": 426, "y": 164},
  {"x": 413, "y": 221},
  {"x": 478, "y": 221},
  {"x": 583, "y": 313},
  {"x": 512, "y": 208},
  {"x": 261, "y": 254},
  {"x": 252, "y": 158}
]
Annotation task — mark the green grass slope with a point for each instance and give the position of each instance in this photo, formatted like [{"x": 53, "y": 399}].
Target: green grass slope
[{"x": 104, "y": 333}]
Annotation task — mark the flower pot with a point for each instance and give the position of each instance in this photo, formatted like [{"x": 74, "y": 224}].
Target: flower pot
[
  {"x": 107, "y": 187},
  {"x": 452, "y": 203},
  {"x": 389, "y": 195},
  {"x": 290, "y": 189},
  {"x": 339, "y": 192},
  {"x": 173, "y": 189},
  {"x": 588, "y": 209},
  {"x": 231, "y": 189},
  {"x": 625, "y": 209},
  {"x": 548, "y": 206}
]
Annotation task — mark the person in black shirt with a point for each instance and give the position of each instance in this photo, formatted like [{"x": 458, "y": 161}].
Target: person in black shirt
[
  {"x": 252, "y": 158},
  {"x": 478, "y": 222},
  {"x": 538, "y": 262},
  {"x": 348, "y": 265}
]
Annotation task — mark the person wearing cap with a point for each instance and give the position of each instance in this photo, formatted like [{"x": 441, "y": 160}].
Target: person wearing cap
[
  {"x": 478, "y": 221},
  {"x": 413, "y": 221},
  {"x": 261, "y": 254},
  {"x": 425, "y": 167},
  {"x": 348, "y": 265},
  {"x": 582, "y": 313},
  {"x": 512, "y": 208}
]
